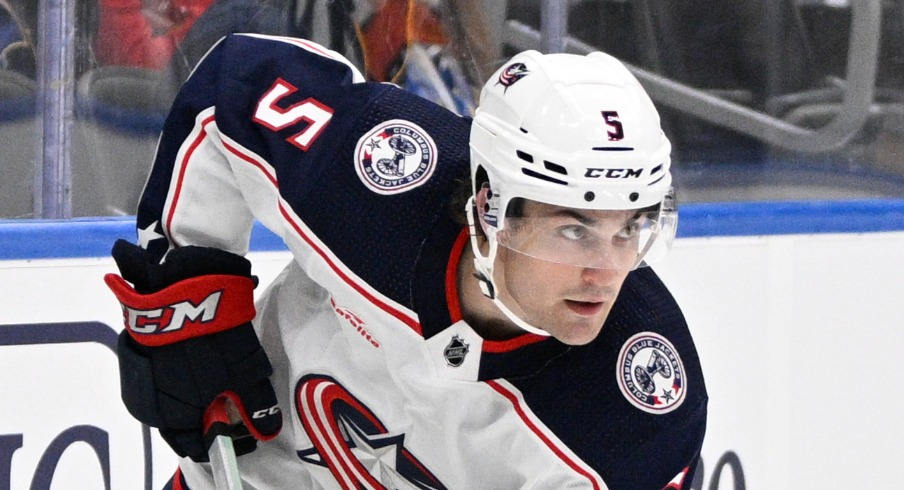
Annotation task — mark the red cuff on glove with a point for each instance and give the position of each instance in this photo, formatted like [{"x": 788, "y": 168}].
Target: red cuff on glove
[{"x": 190, "y": 308}]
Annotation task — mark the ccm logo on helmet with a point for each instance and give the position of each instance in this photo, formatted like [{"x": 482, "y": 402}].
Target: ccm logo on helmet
[
  {"x": 172, "y": 317},
  {"x": 613, "y": 173}
]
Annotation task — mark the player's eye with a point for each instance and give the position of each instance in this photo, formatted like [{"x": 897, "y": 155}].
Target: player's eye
[
  {"x": 573, "y": 232},
  {"x": 629, "y": 231}
]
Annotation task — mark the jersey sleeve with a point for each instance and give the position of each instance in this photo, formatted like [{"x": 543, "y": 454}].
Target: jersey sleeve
[
  {"x": 665, "y": 456},
  {"x": 254, "y": 122}
]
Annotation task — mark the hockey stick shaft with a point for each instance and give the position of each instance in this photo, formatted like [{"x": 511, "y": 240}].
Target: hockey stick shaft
[{"x": 223, "y": 463}]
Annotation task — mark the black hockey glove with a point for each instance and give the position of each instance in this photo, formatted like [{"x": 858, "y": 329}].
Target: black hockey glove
[{"x": 188, "y": 340}]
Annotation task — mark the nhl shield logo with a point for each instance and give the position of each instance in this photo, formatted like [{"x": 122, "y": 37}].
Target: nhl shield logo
[
  {"x": 456, "y": 351},
  {"x": 650, "y": 373},
  {"x": 395, "y": 156}
]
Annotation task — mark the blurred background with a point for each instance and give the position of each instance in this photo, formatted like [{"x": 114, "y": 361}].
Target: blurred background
[
  {"x": 787, "y": 124},
  {"x": 762, "y": 99}
]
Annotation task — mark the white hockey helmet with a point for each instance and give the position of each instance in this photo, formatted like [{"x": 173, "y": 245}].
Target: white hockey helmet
[{"x": 575, "y": 132}]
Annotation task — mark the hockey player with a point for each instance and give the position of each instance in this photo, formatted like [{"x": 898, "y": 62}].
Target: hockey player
[{"x": 468, "y": 306}]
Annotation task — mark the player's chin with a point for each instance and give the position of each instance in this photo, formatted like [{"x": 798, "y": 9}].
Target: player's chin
[
  {"x": 582, "y": 327},
  {"x": 577, "y": 333}
]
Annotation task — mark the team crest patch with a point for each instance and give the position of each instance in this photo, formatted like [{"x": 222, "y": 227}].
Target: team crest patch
[
  {"x": 511, "y": 74},
  {"x": 395, "y": 156},
  {"x": 456, "y": 351},
  {"x": 650, "y": 373}
]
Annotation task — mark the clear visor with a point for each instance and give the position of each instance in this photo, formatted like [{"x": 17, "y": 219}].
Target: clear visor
[{"x": 599, "y": 239}]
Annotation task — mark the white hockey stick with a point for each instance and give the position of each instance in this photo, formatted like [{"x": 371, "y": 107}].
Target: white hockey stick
[
  {"x": 220, "y": 416},
  {"x": 223, "y": 463}
]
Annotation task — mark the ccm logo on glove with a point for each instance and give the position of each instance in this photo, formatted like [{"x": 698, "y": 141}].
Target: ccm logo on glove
[
  {"x": 265, "y": 412},
  {"x": 206, "y": 304},
  {"x": 172, "y": 317}
]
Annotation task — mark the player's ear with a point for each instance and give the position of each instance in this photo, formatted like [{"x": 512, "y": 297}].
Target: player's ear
[{"x": 482, "y": 203}]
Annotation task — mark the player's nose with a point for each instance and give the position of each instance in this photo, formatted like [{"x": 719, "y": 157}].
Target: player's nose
[{"x": 598, "y": 276}]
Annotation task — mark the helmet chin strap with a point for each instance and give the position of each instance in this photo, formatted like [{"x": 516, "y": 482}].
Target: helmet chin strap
[
  {"x": 484, "y": 273},
  {"x": 517, "y": 320}
]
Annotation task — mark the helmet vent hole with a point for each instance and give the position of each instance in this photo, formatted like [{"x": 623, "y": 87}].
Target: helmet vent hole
[
  {"x": 555, "y": 167},
  {"x": 523, "y": 130},
  {"x": 589, "y": 196},
  {"x": 613, "y": 148},
  {"x": 634, "y": 196},
  {"x": 657, "y": 168},
  {"x": 538, "y": 175},
  {"x": 527, "y": 157},
  {"x": 656, "y": 181}
]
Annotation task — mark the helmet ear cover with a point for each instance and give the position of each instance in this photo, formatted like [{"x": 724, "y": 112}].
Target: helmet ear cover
[{"x": 487, "y": 207}]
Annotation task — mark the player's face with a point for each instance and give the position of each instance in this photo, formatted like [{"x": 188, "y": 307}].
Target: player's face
[{"x": 571, "y": 302}]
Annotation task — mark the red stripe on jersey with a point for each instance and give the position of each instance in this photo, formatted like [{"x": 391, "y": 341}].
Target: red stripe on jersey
[
  {"x": 407, "y": 320},
  {"x": 452, "y": 276},
  {"x": 235, "y": 151},
  {"x": 516, "y": 403},
  {"x": 316, "y": 49},
  {"x": 500, "y": 346},
  {"x": 309, "y": 46},
  {"x": 202, "y": 135}
]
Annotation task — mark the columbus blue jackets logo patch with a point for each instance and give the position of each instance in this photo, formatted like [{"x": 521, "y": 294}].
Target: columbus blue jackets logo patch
[
  {"x": 395, "y": 156},
  {"x": 511, "y": 74},
  {"x": 456, "y": 351},
  {"x": 350, "y": 440},
  {"x": 650, "y": 373}
]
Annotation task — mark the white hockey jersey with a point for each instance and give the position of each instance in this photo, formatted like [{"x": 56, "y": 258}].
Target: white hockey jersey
[{"x": 380, "y": 381}]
